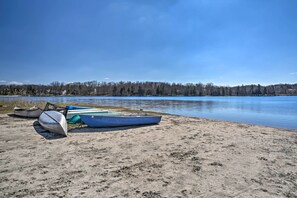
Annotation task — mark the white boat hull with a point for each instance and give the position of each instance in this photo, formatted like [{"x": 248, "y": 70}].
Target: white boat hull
[
  {"x": 33, "y": 112},
  {"x": 53, "y": 121}
]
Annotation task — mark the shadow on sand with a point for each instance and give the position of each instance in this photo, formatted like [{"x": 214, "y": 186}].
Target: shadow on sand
[{"x": 44, "y": 133}]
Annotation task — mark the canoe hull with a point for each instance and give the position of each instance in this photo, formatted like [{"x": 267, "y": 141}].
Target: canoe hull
[
  {"x": 27, "y": 113},
  {"x": 117, "y": 121},
  {"x": 53, "y": 121}
]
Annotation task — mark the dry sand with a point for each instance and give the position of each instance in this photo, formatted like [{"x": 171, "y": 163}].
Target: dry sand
[{"x": 180, "y": 157}]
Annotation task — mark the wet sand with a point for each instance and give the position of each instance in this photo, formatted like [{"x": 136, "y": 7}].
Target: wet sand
[{"x": 180, "y": 157}]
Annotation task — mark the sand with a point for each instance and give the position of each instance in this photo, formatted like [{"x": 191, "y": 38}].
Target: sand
[{"x": 180, "y": 157}]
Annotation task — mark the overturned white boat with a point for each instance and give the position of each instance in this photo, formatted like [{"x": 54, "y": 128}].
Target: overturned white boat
[
  {"x": 33, "y": 112},
  {"x": 53, "y": 121}
]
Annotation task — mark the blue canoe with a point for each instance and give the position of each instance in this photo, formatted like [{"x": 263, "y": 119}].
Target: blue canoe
[
  {"x": 76, "y": 107},
  {"x": 116, "y": 121}
]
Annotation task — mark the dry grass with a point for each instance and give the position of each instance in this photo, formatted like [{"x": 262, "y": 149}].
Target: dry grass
[{"x": 7, "y": 107}]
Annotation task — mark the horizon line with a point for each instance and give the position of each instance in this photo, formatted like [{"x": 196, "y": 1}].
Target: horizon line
[{"x": 3, "y": 82}]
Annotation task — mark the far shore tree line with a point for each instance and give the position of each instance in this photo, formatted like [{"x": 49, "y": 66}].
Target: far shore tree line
[{"x": 94, "y": 88}]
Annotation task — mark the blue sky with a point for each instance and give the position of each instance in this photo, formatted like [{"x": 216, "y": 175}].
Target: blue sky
[{"x": 226, "y": 42}]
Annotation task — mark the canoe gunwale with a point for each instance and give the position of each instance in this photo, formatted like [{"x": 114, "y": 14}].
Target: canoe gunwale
[{"x": 20, "y": 109}]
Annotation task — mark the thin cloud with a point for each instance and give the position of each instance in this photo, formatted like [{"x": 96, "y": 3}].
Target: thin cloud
[
  {"x": 4, "y": 82},
  {"x": 15, "y": 83},
  {"x": 293, "y": 73}
]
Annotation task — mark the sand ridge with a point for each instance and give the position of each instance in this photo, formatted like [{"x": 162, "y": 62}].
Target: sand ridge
[{"x": 180, "y": 157}]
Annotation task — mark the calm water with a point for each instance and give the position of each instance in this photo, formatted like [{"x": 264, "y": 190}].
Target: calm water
[{"x": 280, "y": 112}]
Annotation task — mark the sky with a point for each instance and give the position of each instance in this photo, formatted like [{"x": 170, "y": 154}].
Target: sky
[{"x": 225, "y": 42}]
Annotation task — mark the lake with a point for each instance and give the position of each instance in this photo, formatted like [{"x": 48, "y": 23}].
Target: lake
[{"x": 279, "y": 111}]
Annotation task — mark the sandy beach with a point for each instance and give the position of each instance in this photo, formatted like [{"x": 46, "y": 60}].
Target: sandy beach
[{"x": 180, "y": 157}]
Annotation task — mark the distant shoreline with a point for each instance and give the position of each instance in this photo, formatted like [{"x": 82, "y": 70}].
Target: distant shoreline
[
  {"x": 94, "y": 88},
  {"x": 136, "y": 96}
]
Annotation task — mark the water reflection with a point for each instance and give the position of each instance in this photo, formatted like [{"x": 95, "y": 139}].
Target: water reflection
[{"x": 271, "y": 111}]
